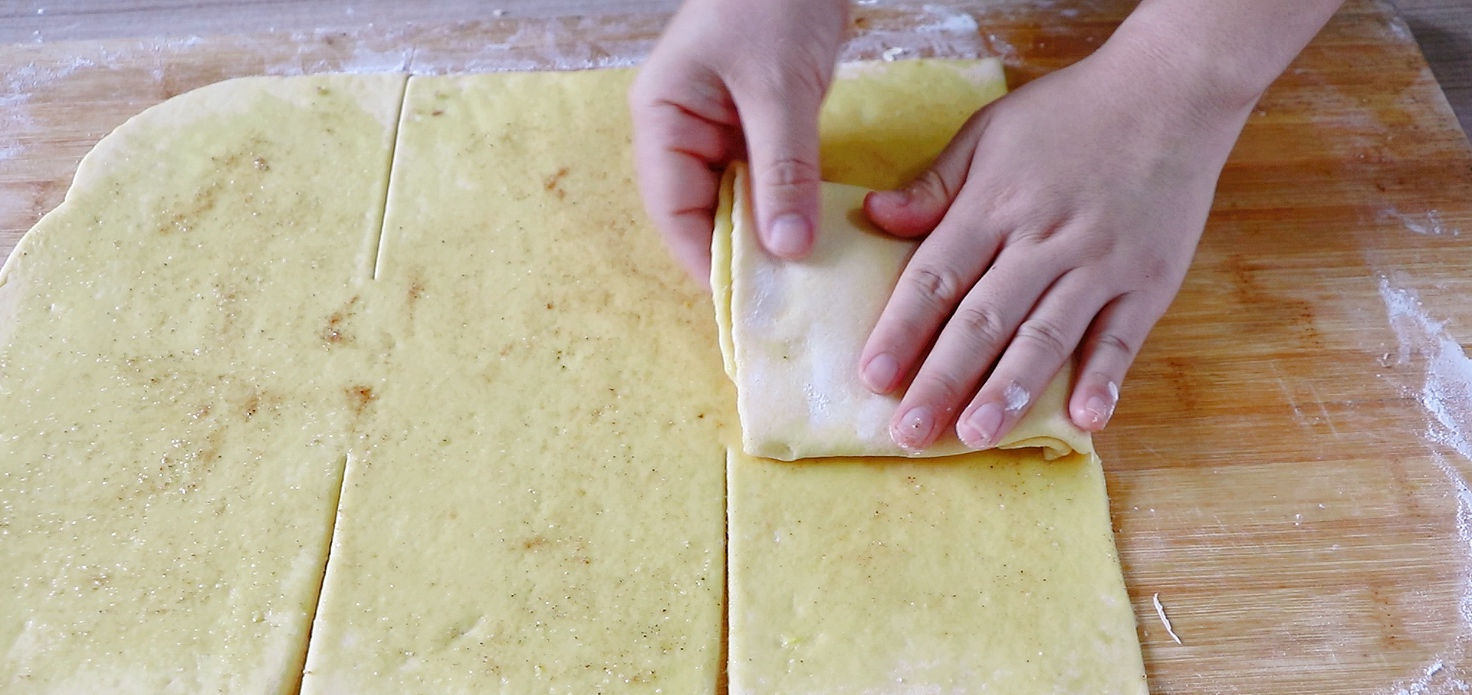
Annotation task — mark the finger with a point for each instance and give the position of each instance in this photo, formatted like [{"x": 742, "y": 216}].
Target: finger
[
  {"x": 973, "y": 337},
  {"x": 920, "y": 205},
  {"x": 781, "y": 128},
  {"x": 1044, "y": 341},
  {"x": 676, "y": 154},
  {"x": 1108, "y": 350},
  {"x": 935, "y": 279}
]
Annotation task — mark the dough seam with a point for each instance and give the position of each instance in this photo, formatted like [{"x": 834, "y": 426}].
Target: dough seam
[
  {"x": 342, "y": 470},
  {"x": 388, "y": 181}
]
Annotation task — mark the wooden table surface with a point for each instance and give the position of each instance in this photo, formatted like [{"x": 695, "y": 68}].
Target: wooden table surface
[
  {"x": 1288, "y": 470},
  {"x": 1442, "y": 27}
]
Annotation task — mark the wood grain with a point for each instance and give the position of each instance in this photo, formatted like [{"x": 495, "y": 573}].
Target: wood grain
[
  {"x": 1442, "y": 27},
  {"x": 1276, "y": 475}
]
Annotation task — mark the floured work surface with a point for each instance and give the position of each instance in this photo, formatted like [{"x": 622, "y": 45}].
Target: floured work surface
[{"x": 1284, "y": 469}]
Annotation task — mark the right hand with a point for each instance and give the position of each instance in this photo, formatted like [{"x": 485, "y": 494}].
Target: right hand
[{"x": 729, "y": 80}]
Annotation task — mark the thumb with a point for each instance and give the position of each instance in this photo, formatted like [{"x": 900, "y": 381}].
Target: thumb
[
  {"x": 782, "y": 146},
  {"x": 915, "y": 209}
]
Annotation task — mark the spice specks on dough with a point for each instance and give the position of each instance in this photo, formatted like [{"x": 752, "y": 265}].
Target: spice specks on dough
[
  {"x": 252, "y": 405},
  {"x": 553, "y": 183},
  {"x": 335, "y": 332},
  {"x": 360, "y": 396},
  {"x": 413, "y": 295}
]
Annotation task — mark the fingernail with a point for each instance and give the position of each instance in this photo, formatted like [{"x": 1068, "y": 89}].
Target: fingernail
[
  {"x": 880, "y": 372},
  {"x": 789, "y": 236},
  {"x": 1100, "y": 409},
  {"x": 979, "y": 429},
  {"x": 914, "y": 428}
]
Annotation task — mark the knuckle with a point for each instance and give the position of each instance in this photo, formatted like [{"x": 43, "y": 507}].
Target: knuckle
[
  {"x": 1093, "y": 254},
  {"x": 639, "y": 90},
  {"x": 1111, "y": 340},
  {"x": 1155, "y": 266},
  {"x": 930, "y": 184},
  {"x": 779, "y": 83},
  {"x": 789, "y": 175},
  {"x": 810, "y": 80},
  {"x": 982, "y": 323},
  {"x": 1034, "y": 235},
  {"x": 945, "y": 387},
  {"x": 1034, "y": 215},
  {"x": 650, "y": 85},
  {"x": 938, "y": 287},
  {"x": 1044, "y": 335},
  {"x": 1009, "y": 202}
]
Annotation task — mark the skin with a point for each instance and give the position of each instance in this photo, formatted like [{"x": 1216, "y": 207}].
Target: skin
[{"x": 1060, "y": 220}]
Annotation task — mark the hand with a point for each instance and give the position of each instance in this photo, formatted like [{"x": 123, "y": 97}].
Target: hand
[
  {"x": 1062, "y": 217},
  {"x": 734, "y": 79}
]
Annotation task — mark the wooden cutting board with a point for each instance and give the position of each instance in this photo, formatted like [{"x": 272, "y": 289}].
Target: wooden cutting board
[{"x": 1288, "y": 469}]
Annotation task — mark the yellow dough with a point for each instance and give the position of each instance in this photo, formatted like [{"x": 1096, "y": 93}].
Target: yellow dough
[
  {"x": 791, "y": 333},
  {"x": 520, "y": 386},
  {"x": 988, "y": 571},
  {"x": 383, "y": 384},
  {"x": 173, "y": 404},
  {"x": 535, "y": 504}
]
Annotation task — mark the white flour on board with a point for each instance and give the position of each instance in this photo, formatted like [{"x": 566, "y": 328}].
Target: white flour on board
[
  {"x": 1428, "y": 223},
  {"x": 1446, "y": 395},
  {"x": 18, "y": 85},
  {"x": 535, "y": 44},
  {"x": 15, "y": 96},
  {"x": 932, "y": 31},
  {"x": 527, "y": 44}
]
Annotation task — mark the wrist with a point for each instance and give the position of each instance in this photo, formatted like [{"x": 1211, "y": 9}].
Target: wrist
[
  {"x": 1217, "y": 57},
  {"x": 1172, "y": 106},
  {"x": 1187, "y": 79}
]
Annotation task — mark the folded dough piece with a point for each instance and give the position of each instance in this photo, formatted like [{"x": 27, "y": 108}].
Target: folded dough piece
[{"x": 791, "y": 333}]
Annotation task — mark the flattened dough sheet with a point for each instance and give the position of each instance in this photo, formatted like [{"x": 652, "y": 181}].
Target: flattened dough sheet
[
  {"x": 514, "y": 388},
  {"x": 174, "y": 412},
  {"x": 534, "y": 503},
  {"x": 517, "y": 395},
  {"x": 989, "y": 571}
]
